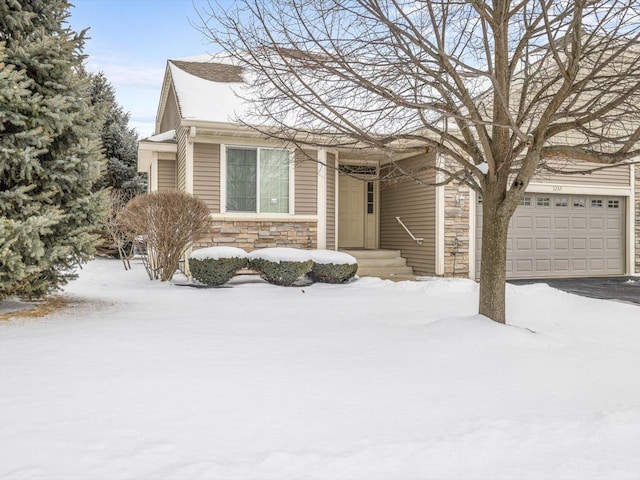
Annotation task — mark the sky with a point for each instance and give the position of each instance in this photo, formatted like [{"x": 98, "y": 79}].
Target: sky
[{"x": 131, "y": 40}]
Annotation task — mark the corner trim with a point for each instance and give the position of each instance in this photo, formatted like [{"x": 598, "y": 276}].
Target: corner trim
[
  {"x": 472, "y": 233},
  {"x": 631, "y": 223},
  {"x": 322, "y": 199},
  {"x": 440, "y": 219}
]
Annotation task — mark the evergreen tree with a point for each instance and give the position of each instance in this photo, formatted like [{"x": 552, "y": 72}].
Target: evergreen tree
[
  {"x": 119, "y": 141},
  {"x": 50, "y": 155}
]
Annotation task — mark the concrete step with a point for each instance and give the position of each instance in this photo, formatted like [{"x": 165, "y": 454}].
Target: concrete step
[
  {"x": 399, "y": 278},
  {"x": 382, "y": 262},
  {"x": 384, "y": 271},
  {"x": 362, "y": 254}
]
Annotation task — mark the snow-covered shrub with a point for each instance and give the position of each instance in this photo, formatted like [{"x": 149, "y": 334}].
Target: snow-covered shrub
[
  {"x": 215, "y": 266},
  {"x": 280, "y": 266},
  {"x": 332, "y": 267}
]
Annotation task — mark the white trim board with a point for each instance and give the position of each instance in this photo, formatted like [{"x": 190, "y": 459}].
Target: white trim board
[
  {"x": 440, "y": 220},
  {"x": 321, "y": 232}
]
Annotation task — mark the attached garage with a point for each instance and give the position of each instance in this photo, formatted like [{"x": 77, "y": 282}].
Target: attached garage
[{"x": 558, "y": 235}]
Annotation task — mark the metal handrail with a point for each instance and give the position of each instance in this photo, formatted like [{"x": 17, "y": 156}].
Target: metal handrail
[{"x": 418, "y": 240}]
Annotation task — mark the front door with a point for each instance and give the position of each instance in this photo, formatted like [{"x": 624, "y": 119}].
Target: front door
[{"x": 351, "y": 212}]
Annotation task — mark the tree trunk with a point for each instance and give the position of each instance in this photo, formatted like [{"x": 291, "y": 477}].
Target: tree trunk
[{"x": 493, "y": 267}]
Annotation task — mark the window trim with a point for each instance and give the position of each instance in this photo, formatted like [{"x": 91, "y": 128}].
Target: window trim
[{"x": 223, "y": 182}]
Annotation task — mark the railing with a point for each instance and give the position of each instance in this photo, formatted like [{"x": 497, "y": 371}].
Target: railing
[{"x": 418, "y": 240}]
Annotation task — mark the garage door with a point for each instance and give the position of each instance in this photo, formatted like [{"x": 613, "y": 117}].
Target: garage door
[{"x": 563, "y": 235}]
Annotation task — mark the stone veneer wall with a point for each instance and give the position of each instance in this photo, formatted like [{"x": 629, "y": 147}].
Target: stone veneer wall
[
  {"x": 637, "y": 200},
  {"x": 251, "y": 235},
  {"x": 456, "y": 231}
]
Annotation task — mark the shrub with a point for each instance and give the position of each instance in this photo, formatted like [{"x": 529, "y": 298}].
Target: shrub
[
  {"x": 332, "y": 267},
  {"x": 215, "y": 266},
  {"x": 280, "y": 266},
  {"x": 165, "y": 224}
]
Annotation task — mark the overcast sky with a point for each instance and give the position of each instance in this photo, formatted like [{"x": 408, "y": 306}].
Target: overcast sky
[{"x": 131, "y": 41}]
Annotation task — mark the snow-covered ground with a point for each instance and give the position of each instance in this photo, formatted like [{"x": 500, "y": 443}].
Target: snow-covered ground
[{"x": 371, "y": 380}]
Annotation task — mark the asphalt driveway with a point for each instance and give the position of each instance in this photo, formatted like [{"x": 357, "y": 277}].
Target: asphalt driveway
[{"x": 625, "y": 289}]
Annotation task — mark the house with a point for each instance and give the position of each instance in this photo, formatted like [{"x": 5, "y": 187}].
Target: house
[{"x": 264, "y": 193}]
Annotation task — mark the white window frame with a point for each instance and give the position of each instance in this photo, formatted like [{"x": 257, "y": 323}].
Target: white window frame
[{"x": 223, "y": 182}]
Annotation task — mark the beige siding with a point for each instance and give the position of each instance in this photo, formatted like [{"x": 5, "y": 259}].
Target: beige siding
[
  {"x": 331, "y": 201},
  {"x": 616, "y": 176},
  {"x": 306, "y": 183},
  {"x": 181, "y": 159},
  {"x": 415, "y": 204},
  {"x": 166, "y": 175},
  {"x": 206, "y": 174},
  {"x": 170, "y": 115}
]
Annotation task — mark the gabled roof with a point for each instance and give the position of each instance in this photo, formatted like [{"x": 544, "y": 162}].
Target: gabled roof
[{"x": 206, "y": 88}]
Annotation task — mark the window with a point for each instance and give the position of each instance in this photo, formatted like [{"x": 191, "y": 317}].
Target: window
[
  {"x": 562, "y": 202},
  {"x": 579, "y": 202},
  {"x": 596, "y": 203},
  {"x": 257, "y": 180},
  {"x": 613, "y": 203},
  {"x": 369, "y": 197},
  {"x": 525, "y": 201},
  {"x": 543, "y": 201}
]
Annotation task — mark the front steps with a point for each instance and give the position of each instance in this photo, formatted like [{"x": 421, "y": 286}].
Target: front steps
[{"x": 387, "y": 264}]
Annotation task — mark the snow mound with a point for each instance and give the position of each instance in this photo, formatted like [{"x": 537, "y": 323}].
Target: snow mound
[
  {"x": 331, "y": 256},
  {"x": 480, "y": 330},
  {"x": 216, "y": 253},
  {"x": 281, "y": 254}
]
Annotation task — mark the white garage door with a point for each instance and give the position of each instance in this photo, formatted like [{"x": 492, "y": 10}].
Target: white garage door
[{"x": 563, "y": 235}]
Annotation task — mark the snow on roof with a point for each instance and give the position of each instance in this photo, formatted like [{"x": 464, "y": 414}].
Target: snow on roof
[
  {"x": 206, "y": 88},
  {"x": 162, "y": 137}
]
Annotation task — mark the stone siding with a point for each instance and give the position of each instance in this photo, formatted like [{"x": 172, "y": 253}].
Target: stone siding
[
  {"x": 456, "y": 230},
  {"x": 251, "y": 235}
]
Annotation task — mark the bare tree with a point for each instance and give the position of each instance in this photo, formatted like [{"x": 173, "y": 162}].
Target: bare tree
[
  {"x": 498, "y": 89},
  {"x": 165, "y": 225},
  {"x": 117, "y": 234}
]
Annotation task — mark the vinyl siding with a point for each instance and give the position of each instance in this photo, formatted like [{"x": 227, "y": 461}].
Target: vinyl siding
[
  {"x": 306, "y": 183},
  {"x": 331, "y": 201},
  {"x": 170, "y": 115},
  {"x": 206, "y": 174},
  {"x": 166, "y": 175},
  {"x": 616, "y": 176},
  {"x": 181, "y": 158},
  {"x": 415, "y": 204}
]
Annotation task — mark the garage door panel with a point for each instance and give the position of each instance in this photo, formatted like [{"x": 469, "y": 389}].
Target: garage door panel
[
  {"x": 596, "y": 244},
  {"x": 579, "y": 223},
  {"x": 543, "y": 264},
  {"x": 614, "y": 264},
  {"x": 568, "y": 235},
  {"x": 614, "y": 243},
  {"x": 561, "y": 265},
  {"x": 561, "y": 244},
  {"x": 543, "y": 222},
  {"x": 524, "y": 245},
  {"x": 579, "y": 265},
  {"x": 524, "y": 222},
  {"x": 523, "y": 266},
  {"x": 614, "y": 224},
  {"x": 543, "y": 244}
]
